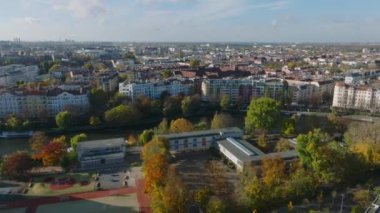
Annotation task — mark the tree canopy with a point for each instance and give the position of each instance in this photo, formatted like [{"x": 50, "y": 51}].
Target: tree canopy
[
  {"x": 16, "y": 165},
  {"x": 263, "y": 113},
  {"x": 122, "y": 115},
  {"x": 181, "y": 125},
  {"x": 63, "y": 120}
]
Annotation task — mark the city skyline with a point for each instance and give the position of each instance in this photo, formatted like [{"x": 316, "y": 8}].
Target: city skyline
[{"x": 191, "y": 20}]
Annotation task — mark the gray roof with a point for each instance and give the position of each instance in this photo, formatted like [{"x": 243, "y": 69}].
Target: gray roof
[
  {"x": 246, "y": 152},
  {"x": 201, "y": 133},
  {"x": 241, "y": 149},
  {"x": 101, "y": 143}
]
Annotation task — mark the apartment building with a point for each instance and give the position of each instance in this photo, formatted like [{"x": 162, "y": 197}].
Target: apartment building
[
  {"x": 244, "y": 89},
  {"x": 303, "y": 91},
  {"x": 153, "y": 90},
  {"x": 38, "y": 103},
  {"x": 11, "y": 74},
  {"x": 360, "y": 97}
]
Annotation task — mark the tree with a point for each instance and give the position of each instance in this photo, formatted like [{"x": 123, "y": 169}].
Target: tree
[
  {"x": 56, "y": 66},
  {"x": 89, "y": 67},
  {"x": 262, "y": 141},
  {"x": 69, "y": 159},
  {"x": 146, "y": 136},
  {"x": 52, "y": 153},
  {"x": 172, "y": 107},
  {"x": 175, "y": 193},
  {"x": 202, "y": 197},
  {"x": 155, "y": 146},
  {"x": 122, "y": 115},
  {"x": 221, "y": 120},
  {"x": 16, "y": 165},
  {"x": 132, "y": 140},
  {"x": 283, "y": 145},
  {"x": 225, "y": 102},
  {"x": 76, "y": 139},
  {"x": 63, "y": 120},
  {"x": 94, "y": 121},
  {"x": 216, "y": 205},
  {"x": 362, "y": 197},
  {"x": 190, "y": 105},
  {"x": 37, "y": 140},
  {"x": 194, "y": 63},
  {"x": 129, "y": 56},
  {"x": 155, "y": 169},
  {"x": 181, "y": 125},
  {"x": 263, "y": 113},
  {"x": 163, "y": 127},
  {"x": 143, "y": 104},
  {"x": 289, "y": 126},
  {"x": 273, "y": 171},
  {"x": 167, "y": 74},
  {"x": 13, "y": 123},
  {"x": 98, "y": 98}
]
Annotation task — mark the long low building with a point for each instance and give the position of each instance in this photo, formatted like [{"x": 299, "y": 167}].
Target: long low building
[
  {"x": 199, "y": 140},
  {"x": 101, "y": 152},
  {"x": 229, "y": 141}
]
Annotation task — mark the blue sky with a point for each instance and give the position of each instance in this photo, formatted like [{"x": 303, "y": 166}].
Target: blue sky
[{"x": 192, "y": 20}]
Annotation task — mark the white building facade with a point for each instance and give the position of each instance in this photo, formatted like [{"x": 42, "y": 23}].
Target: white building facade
[{"x": 153, "y": 90}]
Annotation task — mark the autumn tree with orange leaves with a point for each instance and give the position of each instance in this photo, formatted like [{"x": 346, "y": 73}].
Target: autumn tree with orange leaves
[
  {"x": 181, "y": 125},
  {"x": 52, "y": 153},
  {"x": 16, "y": 165}
]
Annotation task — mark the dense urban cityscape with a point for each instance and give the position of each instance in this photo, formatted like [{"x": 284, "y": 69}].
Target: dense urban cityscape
[{"x": 187, "y": 125}]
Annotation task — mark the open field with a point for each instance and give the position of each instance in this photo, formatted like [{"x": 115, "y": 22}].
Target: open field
[
  {"x": 110, "y": 204},
  {"x": 198, "y": 170}
]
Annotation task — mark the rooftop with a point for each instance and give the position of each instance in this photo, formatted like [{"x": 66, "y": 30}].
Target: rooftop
[
  {"x": 101, "y": 143},
  {"x": 201, "y": 133}
]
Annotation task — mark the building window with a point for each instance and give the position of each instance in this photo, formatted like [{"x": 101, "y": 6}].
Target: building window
[
  {"x": 185, "y": 144},
  {"x": 204, "y": 142}
]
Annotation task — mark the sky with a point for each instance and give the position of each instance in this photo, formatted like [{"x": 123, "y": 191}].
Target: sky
[{"x": 191, "y": 20}]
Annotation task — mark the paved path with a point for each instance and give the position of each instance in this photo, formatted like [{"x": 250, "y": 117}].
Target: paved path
[{"x": 33, "y": 204}]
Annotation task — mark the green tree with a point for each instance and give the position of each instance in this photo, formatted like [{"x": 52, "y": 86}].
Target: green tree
[
  {"x": 289, "y": 126},
  {"x": 98, "y": 98},
  {"x": 13, "y": 123},
  {"x": 56, "y": 66},
  {"x": 146, "y": 136},
  {"x": 202, "y": 197},
  {"x": 167, "y": 74},
  {"x": 216, "y": 205},
  {"x": 130, "y": 56},
  {"x": 263, "y": 113},
  {"x": 69, "y": 159},
  {"x": 190, "y": 105},
  {"x": 63, "y": 120},
  {"x": 163, "y": 127},
  {"x": 76, "y": 139},
  {"x": 94, "y": 121},
  {"x": 262, "y": 141},
  {"x": 225, "y": 102},
  {"x": 221, "y": 120},
  {"x": 122, "y": 115},
  {"x": 172, "y": 107},
  {"x": 194, "y": 63}
]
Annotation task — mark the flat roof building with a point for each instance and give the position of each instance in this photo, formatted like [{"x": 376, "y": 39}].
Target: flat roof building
[{"x": 101, "y": 152}]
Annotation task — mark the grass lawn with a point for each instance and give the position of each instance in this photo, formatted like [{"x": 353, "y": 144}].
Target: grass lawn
[
  {"x": 110, "y": 204},
  {"x": 40, "y": 188}
]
